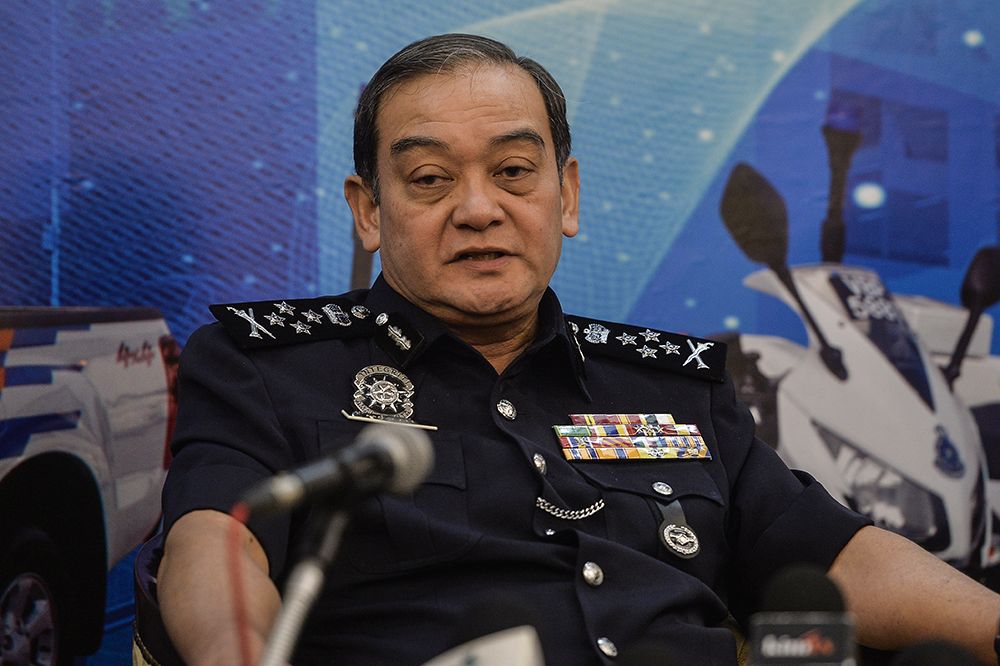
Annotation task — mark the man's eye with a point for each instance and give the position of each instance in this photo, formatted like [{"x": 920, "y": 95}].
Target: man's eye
[
  {"x": 428, "y": 180},
  {"x": 513, "y": 171}
]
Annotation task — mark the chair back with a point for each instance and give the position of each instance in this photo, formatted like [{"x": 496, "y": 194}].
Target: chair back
[{"x": 150, "y": 644}]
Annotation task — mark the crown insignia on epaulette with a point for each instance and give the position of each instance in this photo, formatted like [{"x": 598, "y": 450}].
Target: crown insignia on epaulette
[
  {"x": 267, "y": 323},
  {"x": 684, "y": 354}
]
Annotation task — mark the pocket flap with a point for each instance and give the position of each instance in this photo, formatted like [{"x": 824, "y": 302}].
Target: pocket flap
[{"x": 656, "y": 479}]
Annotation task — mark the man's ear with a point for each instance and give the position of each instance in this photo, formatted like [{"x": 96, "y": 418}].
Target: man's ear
[
  {"x": 570, "y": 196},
  {"x": 366, "y": 212}
]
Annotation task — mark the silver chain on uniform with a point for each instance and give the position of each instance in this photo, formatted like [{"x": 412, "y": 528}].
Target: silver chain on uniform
[{"x": 568, "y": 514}]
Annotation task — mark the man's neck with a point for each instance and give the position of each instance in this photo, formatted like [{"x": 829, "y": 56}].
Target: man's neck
[{"x": 499, "y": 344}]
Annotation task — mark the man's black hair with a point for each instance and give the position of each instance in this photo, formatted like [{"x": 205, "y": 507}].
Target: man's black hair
[{"x": 442, "y": 54}]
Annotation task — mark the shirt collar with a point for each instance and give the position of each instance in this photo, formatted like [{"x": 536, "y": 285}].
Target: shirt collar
[{"x": 405, "y": 332}]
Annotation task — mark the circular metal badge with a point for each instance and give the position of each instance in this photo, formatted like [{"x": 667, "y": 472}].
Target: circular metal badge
[
  {"x": 681, "y": 539},
  {"x": 383, "y": 391}
]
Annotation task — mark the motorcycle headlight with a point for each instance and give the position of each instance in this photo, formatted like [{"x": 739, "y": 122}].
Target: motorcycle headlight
[{"x": 887, "y": 496}]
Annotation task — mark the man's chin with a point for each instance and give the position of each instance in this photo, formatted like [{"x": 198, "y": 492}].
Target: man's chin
[{"x": 491, "y": 309}]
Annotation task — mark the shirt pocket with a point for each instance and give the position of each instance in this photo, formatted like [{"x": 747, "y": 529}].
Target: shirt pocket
[
  {"x": 660, "y": 486},
  {"x": 393, "y": 533}
]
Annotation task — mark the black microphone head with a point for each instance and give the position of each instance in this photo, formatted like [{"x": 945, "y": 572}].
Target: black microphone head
[
  {"x": 934, "y": 653},
  {"x": 408, "y": 450},
  {"x": 802, "y": 588}
]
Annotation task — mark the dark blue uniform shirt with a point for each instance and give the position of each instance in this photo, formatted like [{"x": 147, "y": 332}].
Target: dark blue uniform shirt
[{"x": 412, "y": 568}]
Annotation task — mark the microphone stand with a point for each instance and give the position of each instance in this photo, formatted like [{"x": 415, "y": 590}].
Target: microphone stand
[{"x": 303, "y": 586}]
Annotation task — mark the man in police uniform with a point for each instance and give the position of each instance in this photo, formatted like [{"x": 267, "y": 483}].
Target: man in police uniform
[{"x": 602, "y": 475}]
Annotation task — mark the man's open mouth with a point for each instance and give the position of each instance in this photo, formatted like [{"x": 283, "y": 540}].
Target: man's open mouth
[{"x": 480, "y": 256}]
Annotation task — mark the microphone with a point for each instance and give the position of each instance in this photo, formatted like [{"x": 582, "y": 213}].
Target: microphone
[
  {"x": 802, "y": 621},
  {"x": 384, "y": 457}
]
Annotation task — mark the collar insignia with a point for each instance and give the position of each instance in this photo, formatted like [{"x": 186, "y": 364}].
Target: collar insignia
[{"x": 397, "y": 337}]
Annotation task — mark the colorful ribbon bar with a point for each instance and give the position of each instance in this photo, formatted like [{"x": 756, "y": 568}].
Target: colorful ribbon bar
[
  {"x": 611, "y": 419},
  {"x": 630, "y": 437},
  {"x": 634, "y": 442},
  {"x": 628, "y": 430},
  {"x": 612, "y": 453}
]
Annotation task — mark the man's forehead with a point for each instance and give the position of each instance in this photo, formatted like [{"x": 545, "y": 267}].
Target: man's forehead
[{"x": 422, "y": 110}]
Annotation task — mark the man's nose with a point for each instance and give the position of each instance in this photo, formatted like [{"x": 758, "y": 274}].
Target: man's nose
[{"x": 478, "y": 206}]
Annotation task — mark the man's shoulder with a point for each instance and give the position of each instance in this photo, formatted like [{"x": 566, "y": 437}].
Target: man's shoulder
[
  {"x": 278, "y": 322},
  {"x": 673, "y": 352}
]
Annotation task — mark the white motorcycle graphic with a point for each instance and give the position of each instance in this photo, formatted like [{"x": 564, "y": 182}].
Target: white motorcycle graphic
[{"x": 864, "y": 406}]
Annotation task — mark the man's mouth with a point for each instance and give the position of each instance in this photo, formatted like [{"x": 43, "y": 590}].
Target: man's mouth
[{"x": 481, "y": 256}]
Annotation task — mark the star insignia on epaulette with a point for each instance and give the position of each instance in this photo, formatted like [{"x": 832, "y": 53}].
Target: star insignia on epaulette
[
  {"x": 284, "y": 308},
  {"x": 669, "y": 348},
  {"x": 312, "y": 316},
  {"x": 274, "y": 319},
  {"x": 650, "y": 336},
  {"x": 647, "y": 351},
  {"x": 626, "y": 339},
  {"x": 301, "y": 327}
]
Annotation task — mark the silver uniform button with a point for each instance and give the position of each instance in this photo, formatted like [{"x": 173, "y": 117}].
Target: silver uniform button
[
  {"x": 381, "y": 319},
  {"x": 593, "y": 574},
  {"x": 507, "y": 410},
  {"x": 549, "y": 532},
  {"x": 663, "y": 488},
  {"x": 607, "y": 647},
  {"x": 540, "y": 463}
]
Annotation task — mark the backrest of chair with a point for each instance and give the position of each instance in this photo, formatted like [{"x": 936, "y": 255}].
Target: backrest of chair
[{"x": 151, "y": 645}]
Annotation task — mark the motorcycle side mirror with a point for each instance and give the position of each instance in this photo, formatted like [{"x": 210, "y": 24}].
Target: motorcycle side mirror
[
  {"x": 980, "y": 290},
  {"x": 981, "y": 286},
  {"x": 755, "y": 215}
]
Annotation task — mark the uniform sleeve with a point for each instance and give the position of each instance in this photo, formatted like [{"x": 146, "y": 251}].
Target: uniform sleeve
[
  {"x": 226, "y": 439},
  {"x": 778, "y": 516}
]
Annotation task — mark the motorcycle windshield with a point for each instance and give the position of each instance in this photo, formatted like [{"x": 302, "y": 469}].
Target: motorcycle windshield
[{"x": 873, "y": 312}]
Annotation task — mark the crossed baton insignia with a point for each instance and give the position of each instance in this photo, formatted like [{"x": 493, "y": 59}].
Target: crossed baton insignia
[
  {"x": 255, "y": 328},
  {"x": 696, "y": 353}
]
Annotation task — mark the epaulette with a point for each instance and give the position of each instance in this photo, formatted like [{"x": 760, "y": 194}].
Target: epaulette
[
  {"x": 674, "y": 352},
  {"x": 269, "y": 323}
]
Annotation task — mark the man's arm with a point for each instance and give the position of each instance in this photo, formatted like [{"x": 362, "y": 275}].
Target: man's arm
[
  {"x": 193, "y": 589},
  {"x": 900, "y": 594}
]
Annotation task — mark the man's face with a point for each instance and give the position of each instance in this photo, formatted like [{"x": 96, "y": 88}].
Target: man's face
[{"x": 471, "y": 212}]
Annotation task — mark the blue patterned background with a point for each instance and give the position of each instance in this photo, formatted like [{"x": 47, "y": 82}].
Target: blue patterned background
[{"x": 177, "y": 153}]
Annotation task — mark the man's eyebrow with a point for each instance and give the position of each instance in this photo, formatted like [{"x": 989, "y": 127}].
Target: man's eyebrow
[
  {"x": 410, "y": 142},
  {"x": 518, "y": 135},
  {"x": 407, "y": 143}
]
